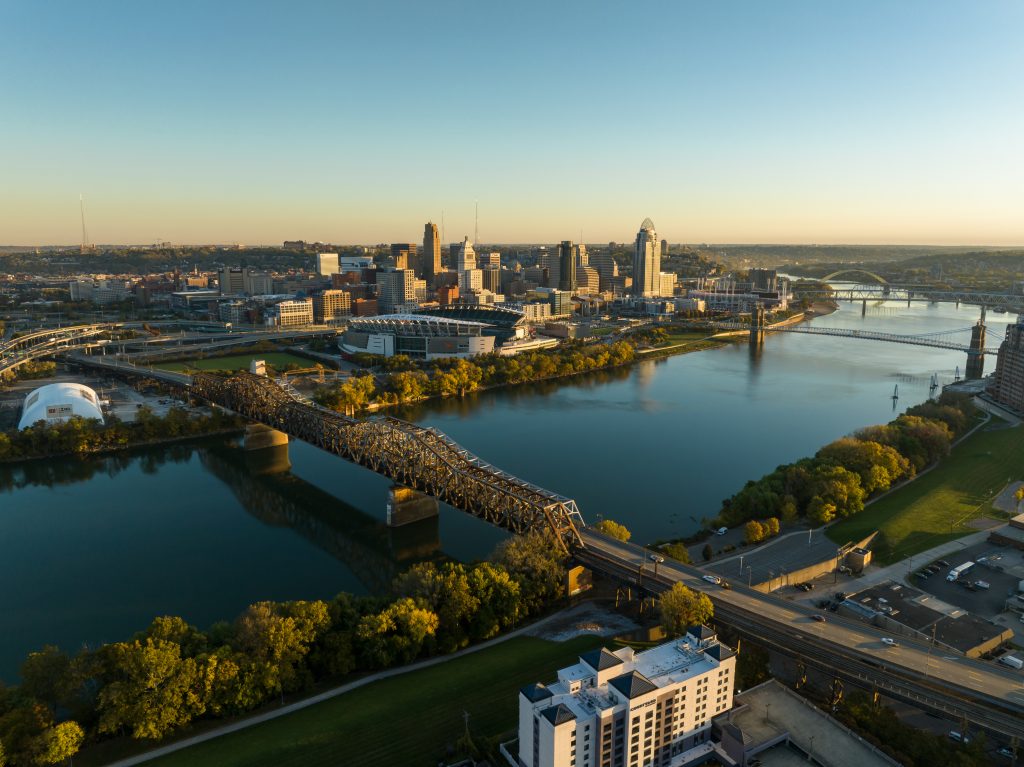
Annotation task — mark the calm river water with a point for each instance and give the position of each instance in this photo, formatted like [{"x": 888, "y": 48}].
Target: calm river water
[{"x": 91, "y": 550}]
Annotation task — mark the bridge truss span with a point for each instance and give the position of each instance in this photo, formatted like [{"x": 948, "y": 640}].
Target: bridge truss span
[{"x": 418, "y": 457}]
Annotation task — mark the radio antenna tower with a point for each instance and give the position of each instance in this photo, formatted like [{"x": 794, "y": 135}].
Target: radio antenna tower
[
  {"x": 476, "y": 223},
  {"x": 85, "y": 237},
  {"x": 443, "y": 240}
]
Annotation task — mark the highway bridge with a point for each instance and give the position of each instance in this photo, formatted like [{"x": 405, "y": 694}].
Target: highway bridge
[
  {"x": 910, "y": 293},
  {"x": 959, "y": 687}
]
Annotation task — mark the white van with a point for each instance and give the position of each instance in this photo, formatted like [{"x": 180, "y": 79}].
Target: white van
[{"x": 1012, "y": 661}]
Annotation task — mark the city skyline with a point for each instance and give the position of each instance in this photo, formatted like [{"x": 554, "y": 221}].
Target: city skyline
[{"x": 793, "y": 123}]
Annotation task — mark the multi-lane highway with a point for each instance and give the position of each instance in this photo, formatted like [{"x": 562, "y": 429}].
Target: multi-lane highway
[{"x": 961, "y": 687}]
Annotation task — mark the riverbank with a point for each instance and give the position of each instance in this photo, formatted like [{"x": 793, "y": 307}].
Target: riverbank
[
  {"x": 696, "y": 342},
  {"x": 398, "y": 691}
]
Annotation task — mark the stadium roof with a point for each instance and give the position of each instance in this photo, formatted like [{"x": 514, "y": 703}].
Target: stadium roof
[
  {"x": 489, "y": 315},
  {"x": 60, "y": 402},
  {"x": 417, "y": 325}
]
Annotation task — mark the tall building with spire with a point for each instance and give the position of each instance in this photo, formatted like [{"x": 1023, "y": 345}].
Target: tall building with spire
[
  {"x": 647, "y": 261},
  {"x": 430, "y": 258}
]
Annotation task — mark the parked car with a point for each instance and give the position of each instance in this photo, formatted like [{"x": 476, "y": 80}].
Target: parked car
[
  {"x": 982, "y": 584},
  {"x": 1005, "y": 751},
  {"x": 942, "y": 563},
  {"x": 712, "y": 579},
  {"x": 721, "y": 531},
  {"x": 958, "y": 737}
]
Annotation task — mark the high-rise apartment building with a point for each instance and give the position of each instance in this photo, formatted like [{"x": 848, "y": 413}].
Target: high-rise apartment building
[
  {"x": 329, "y": 305},
  {"x": 646, "y": 261},
  {"x": 429, "y": 265},
  {"x": 627, "y": 709},
  {"x": 326, "y": 264},
  {"x": 463, "y": 255},
  {"x": 566, "y": 266},
  {"x": 1007, "y": 386},
  {"x": 396, "y": 289}
]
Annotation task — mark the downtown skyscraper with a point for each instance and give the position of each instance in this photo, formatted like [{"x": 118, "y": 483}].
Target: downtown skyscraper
[
  {"x": 647, "y": 261},
  {"x": 430, "y": 257}
]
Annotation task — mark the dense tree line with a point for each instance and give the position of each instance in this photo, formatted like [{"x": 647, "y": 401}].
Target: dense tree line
[
  {"x": 172, "y": 673},
  {"x": 836, "y": 482},
  {"x": 405, "y": 381},
  {"x": 29, "y": 371},
  {"x": 79, "y": 436},
  {"x": 908, "y": 745}
]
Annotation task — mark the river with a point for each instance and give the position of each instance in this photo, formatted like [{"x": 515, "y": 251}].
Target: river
[{"x": 93, "y": 549}]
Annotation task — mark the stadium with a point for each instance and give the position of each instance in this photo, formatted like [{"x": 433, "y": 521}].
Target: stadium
[{"x": 415, "y": 335}]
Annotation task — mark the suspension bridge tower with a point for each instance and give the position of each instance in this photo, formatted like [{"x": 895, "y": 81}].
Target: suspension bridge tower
[
  {"x": 757, "y": 325},
  {"x": 976, "y": 355}
]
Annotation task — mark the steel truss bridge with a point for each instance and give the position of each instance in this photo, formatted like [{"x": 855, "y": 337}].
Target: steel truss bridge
[
  {"x": 418, "y": 457},
  {"x": 942, "y": 339},
  {"x": 910, "y": 293}
]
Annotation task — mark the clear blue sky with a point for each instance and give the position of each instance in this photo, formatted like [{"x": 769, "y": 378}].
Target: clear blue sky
[{"x": 357, "y": 121}]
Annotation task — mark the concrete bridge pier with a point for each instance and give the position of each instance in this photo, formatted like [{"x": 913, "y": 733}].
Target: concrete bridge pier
[
  {"x": 864, "y": 308},
  {"x": 406, "y": 506},
  {"x": 260, "y": 437}
]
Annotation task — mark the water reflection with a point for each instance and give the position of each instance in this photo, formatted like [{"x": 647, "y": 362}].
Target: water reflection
[{"x": 374, "y": 552}]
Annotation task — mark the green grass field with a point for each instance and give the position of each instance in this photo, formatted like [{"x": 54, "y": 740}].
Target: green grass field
[
  {"x": 237, "y": 362},
  {"x": 405, "y": 721},
  {"x": 936, "y": 507}
]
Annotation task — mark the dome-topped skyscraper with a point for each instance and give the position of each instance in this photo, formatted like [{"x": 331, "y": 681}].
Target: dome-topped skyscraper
[{"x": 647, "y": 261}]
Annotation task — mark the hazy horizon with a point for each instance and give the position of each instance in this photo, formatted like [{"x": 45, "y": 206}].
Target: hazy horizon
[{"x": 785, "y": 123}]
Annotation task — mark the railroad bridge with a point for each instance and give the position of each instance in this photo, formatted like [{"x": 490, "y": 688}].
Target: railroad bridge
[{"x": 418, "y": 457}]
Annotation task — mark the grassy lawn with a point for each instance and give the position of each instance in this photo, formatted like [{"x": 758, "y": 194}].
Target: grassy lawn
[
  {"x": 405, "y": 721},
  {"x": 237, "y": 362},
  {"x": 682, "y": 337},
  {"x": 936, "y": 507}
]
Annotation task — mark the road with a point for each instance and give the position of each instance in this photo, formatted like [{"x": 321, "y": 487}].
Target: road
[{"x": 957, "y": 685}]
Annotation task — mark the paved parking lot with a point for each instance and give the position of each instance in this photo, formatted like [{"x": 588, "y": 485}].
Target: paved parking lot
[{"x": 1000, "y": 566}]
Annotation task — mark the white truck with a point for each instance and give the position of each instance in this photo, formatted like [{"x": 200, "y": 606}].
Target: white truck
[
  {"x": 1012, "y": 661},
  {"x": 959, "y": 570}
]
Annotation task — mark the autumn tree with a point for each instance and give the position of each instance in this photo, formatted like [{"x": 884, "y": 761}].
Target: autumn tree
[
  {"x": 57, "y": 744},
  {"x": 753, "y": 532},
  {"x": 396, "y": 634},
  {"x": 682, "y": 607},
  {"x": 46, "y": 675},
  {"x": 613, "y": 529},
  {"x": 151, "y": 689},
  {"x": 538, "y": 563}
]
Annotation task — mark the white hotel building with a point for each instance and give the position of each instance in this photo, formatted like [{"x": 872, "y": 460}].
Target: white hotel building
[{"x": 626, "y": 709}]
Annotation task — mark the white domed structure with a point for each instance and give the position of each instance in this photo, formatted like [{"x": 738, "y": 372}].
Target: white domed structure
[{"x": 60, "y": 402}]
